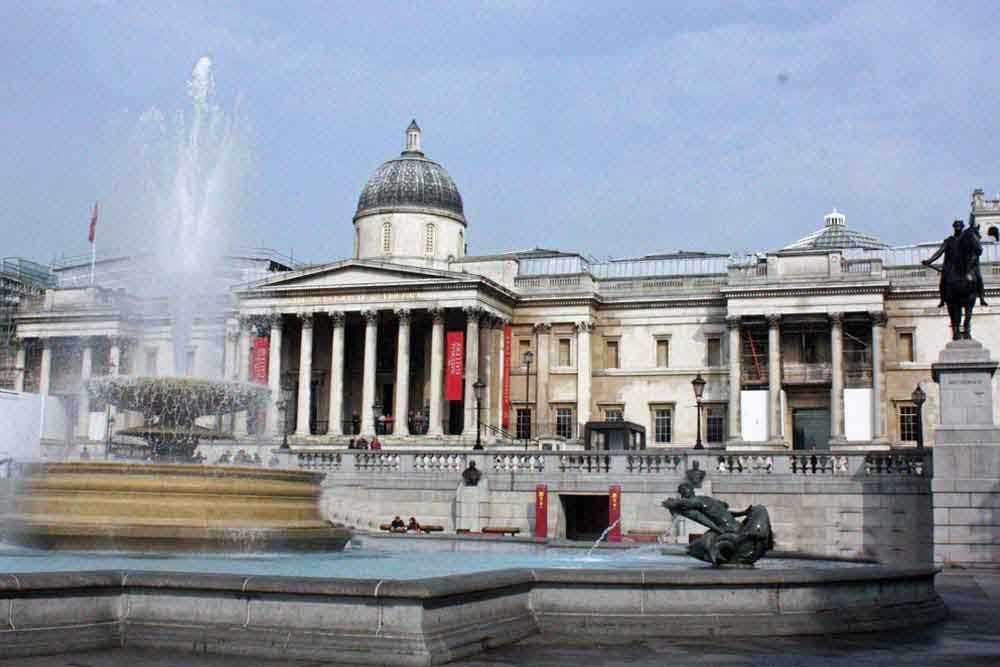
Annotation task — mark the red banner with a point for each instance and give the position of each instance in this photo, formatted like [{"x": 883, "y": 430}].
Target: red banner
[
  {"x": 259, "y": 359},
  {"x": 454, "y": 363},
  {"x": 615, "y": 513},
  {"x": 541, "y": 511},
  {"x": 505, "y": 411}
]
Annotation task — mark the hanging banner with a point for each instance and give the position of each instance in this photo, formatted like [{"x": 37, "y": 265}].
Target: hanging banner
[
  {"x": 541, "y": 511},
  {"x": 454, "y": 364},
  {"x": 259, "y": 359},
  {"x": 505, "y": 412},
  {"x": 615, "y": 513}
]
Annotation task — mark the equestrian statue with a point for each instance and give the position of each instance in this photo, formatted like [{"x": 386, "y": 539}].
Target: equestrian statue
[{"x": 961, "y": 281}]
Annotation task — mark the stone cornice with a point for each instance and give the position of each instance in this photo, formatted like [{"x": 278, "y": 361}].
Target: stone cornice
[{"x": 818, "y": 290}]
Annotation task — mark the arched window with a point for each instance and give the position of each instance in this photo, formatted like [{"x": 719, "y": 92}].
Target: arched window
[
  {"x": 994, "y": 233},
  {"x": 387, "y": 237},
  {"x": 429, "y": 239},
  {"x": 461, "y": 244}
]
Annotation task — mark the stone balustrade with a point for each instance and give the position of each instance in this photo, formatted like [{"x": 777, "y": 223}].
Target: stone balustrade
[{"x": 613, "y": 465}]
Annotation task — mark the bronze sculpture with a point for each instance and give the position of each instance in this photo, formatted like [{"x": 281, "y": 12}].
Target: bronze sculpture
[
  {"x": 727, "y": 541},
  {"x": 961, "y": 281},
  {"x": 471, "y": 475}
]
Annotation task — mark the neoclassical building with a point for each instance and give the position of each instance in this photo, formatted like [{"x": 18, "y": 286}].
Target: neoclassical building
[{"x": 813, "y": 345}]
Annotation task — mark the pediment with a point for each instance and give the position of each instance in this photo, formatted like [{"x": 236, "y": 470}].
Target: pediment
[{"x": 356, "y": 274}]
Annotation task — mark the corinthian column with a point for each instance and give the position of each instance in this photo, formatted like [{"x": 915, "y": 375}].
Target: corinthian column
[
  {"x": 774, "y": 376},
  {"x": 368, "y": 386},
  {"x": 336, "y": 417},
  {"x": 305, "y": 375},
  {"x": 543, "y": 420},
  {"x": 276, "y": 323},
  {"x": 878, "y": 326},
  {"x": 242, "y": 358},
  {"x": 402, "y": 395},
  {"x": 583, "y": 373},
  {"x": 735, "y": 378},
  {"x": 19, "y": 364},
  {"x": 837, "y": 378},
  {"x": 45, "y": 369},
  {"x": 472, "y": 316},
  {"x": 83, "y": 405},
  {"x": 437, "y": 369}
]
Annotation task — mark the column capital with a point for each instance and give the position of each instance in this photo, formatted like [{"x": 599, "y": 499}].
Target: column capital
[
  {"x": 121, "y": 342},
  {"x": 542, "y": 328},
  {"x": 879, "y": 318},
  {"x": 404, "y": 315},
  {"x": 733, "y": 322},
  {"x": 437, "y": 314},
  {"x": 307, "y": 319},
  {"x": 336, "y": 317},
  {"x": 836, "y": 318},
  {"x": 584, "y": 326},
  {"x": 370, "y": 317},
  {"x": 276, "y": 319},
  {"x": 773, "y": 320},
  {"x": 246, "y": 322},
  {"x": 473, "y": 312},
  {"x": 233, "y": 334}
]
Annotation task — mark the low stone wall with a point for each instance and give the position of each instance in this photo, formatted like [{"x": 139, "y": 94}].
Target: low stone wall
[
  {"x": 434, "y": 621},
  {"x": 875, "y": 505}
]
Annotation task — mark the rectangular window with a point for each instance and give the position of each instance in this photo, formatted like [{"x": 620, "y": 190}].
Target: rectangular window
[
  {"x": 662, "y": 353},
  {"x": 715, "y": 423},
  {"x": 564, "y": 422},
  {"x": 151, "y": 361},
  {"x": 663, "y": 425},
  {"x": 564, "y": 352},
  {"x": 523, "y": 430},
  {"x": 908, "y": 423},
  {"x": 614, "y": 414},
  {"x": 714, "y": 351},
  {"x": 905, "y": 345},
  {"x": 611, "y": 358}
]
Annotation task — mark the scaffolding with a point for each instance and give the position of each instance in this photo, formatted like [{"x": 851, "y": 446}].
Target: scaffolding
[{"x": 21, "y": 281}]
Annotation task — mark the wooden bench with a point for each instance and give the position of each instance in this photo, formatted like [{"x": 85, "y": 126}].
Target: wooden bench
[
  {"x": 389, "y": 528},
  {"x": 501, "y": 530},
  {"x": 432, "y": 529},
  {"x": 647, "y": 535}
]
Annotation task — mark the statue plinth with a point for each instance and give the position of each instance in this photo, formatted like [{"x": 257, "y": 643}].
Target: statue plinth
[{"x": 966, "y": 481}]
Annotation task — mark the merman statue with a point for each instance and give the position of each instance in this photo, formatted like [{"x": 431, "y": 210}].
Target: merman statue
[{"x": 728, "y": 541}]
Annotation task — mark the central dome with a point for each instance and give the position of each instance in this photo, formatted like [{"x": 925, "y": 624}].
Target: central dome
[{"x": 411, "y": 183}]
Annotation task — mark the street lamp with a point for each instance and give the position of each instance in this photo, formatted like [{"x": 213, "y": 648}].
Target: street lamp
[
  {"x": 918, "y": 397},
  {"x": 283, "y": 409},
  {"x": 478, "y": 387},
  {"x": 529, "y": 357},
  {"x": 376, "y": 409},
  {"x": 698, "y": 384}
]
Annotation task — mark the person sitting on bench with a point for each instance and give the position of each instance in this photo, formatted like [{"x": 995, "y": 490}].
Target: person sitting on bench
[
  {"x": 413, "y": 526},
  {"x": 397, "y": 525}
]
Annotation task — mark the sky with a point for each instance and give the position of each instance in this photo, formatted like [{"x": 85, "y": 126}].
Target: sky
[{"x": 604, "y": 128}]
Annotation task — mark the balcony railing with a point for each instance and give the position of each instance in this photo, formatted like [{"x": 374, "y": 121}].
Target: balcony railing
[{"x": 646, "y": 464}]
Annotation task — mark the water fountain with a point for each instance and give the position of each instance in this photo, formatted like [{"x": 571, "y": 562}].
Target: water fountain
[{"x": 164, "y": 503}]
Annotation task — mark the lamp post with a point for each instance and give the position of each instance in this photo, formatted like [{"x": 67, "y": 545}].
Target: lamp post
[
  {"x": 376, "y": 409},
  {"x": 529, "y": 357},
  {"x": 918, "y": 397},
  {"x": 698, "y": 384},
  {"x": 283, "y": 409},
  {"x": 478, "y": 386}
]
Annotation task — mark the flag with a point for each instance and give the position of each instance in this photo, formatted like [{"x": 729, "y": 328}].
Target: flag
[{"x": 93, "y": 225}]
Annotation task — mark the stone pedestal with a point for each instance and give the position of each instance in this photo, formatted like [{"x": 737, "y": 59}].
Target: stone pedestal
[
  {"x": 966, "y": 483},
  {"x": 472, "y": 506}
]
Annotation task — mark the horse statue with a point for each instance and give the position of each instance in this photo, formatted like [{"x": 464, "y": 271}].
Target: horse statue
[{"x": 961, "y": 281}]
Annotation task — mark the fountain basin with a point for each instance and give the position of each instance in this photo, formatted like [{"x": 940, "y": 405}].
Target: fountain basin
[{"x": 157, "y": 508}]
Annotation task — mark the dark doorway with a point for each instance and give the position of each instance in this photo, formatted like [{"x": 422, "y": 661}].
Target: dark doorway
[
  {"x": 812, "y": 429},
  {"x": 586, "y": 516},
  {"x": 456, "y": 420}
]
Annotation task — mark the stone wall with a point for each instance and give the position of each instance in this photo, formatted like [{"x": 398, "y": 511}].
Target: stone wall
[{"x": 875, "y": 505}]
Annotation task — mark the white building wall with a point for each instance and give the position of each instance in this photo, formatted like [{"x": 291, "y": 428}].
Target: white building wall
[{"x": 409, "y": 237}]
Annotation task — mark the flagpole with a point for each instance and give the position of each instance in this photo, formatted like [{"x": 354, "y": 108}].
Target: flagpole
[{"x": 93, "y": 259}]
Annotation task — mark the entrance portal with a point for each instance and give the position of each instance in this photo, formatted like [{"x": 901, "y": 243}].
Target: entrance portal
[
  {"x": 586, "y": 516},
  {"x": 811, "y": 429}
]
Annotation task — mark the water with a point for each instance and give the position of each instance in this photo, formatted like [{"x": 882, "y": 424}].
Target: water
[
  {"x": 603, "y": 535},
  {"x": 196, "y": 166},
  {"x": 396, "y": 562}
]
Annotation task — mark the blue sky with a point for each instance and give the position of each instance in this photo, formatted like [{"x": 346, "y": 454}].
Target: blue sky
[{"x": 605, "y": 128}]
